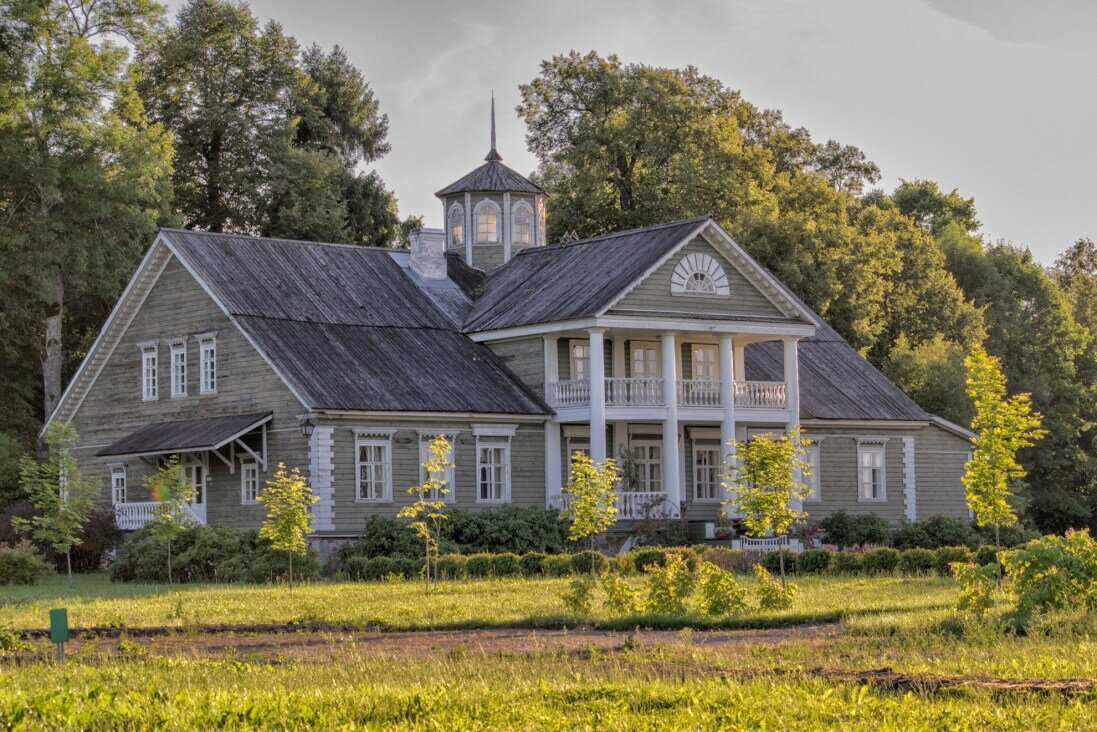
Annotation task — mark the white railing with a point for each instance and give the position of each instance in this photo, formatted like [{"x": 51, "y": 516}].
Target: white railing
[
  {"x": 621, "y": 392},
  {"x": 133, "y": 516},
  {"x": 761, "y": 394},
  {"x": 696, "y": 393},
  {"x": 634, "y": 505},
  {"x": 770, "y": 544},
  {"x": 574, "y": 393}
]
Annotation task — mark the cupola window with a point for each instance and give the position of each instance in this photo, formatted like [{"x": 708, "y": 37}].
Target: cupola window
[
  {"x": 522, "y": 223},
  {"x": 487, "y": 223},
  {"x": 456, "y": 225}
]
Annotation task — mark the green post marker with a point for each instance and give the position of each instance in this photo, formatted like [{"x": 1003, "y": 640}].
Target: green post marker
[{"x": 59, "y": 630}]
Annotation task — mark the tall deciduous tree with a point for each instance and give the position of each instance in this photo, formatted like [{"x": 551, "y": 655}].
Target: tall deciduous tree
[
  {"x": 1003, "y": 426},
  {"x": 62, "y": 497},
  {"x": 765, "y": 475},
  {"x": 81, "y": 186},
  {"x": 288, "y": 498}
]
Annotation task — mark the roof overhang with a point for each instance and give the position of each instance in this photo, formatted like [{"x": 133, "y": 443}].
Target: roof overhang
[
  {"x": 664, "y": 322},
  {"x": 183, "y": 436}
]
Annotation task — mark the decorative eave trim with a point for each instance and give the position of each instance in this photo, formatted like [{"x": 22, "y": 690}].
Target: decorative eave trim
[
  {"x": 494, "y": 430},
  {"x": 666, "y": 321}
]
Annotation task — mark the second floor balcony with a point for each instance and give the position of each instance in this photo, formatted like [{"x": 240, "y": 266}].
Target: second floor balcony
[{"x": 691, "y": 393}]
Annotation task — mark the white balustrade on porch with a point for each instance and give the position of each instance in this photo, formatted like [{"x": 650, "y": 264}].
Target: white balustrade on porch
[
  {"x": 763, "y": 394},
  {"x": 136, "y": 515},
  {"x": 622, "y": 392},
  {"x": 635, "y": 505},
  {"x": 634, "y": 392}
]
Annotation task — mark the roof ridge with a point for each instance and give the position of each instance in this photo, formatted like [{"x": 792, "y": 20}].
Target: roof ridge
[
  {"x": 611, "y": 235},
  {"x": 338, "y": 245},
  {"x": 343, "y": 325}
]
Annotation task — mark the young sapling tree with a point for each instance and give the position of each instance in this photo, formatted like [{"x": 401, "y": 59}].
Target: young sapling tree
[
  {"x": 170, "y": 488},
  {"x": 592, "y": 507},
  {"x": 288, "y": 498},
  {"x": 429, "y": 511}
]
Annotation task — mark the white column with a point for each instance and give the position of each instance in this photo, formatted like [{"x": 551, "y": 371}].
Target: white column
[
  {"x": 468, "y": 229},
  {"x": 506, "y": 228},
  {"x": 618, "y": 350},
  {"x": 740, "y": 362},
  {"x": 597, "y": 395},
  {"x": 670, "y": 425},
  {"x": 553, "y": 476},
  {"x": 727, "y": 392},
  {"x": 792, "y": 380},
  {"x": 552, "y": 368}
]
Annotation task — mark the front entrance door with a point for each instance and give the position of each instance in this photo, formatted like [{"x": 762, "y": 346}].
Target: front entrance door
[{"x": 195, "y": 475}]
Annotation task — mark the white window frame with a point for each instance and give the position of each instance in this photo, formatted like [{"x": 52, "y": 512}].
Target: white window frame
[
  {"x": 573, "y": 444},
  {"x": 178, "y": 360},
  {"x": 712, "y": 364},
  {"x": 636, "y": 347},
  {"x": 499, "y": 447},
  {"x": 650, "y": 466},
  {"x": 708, "y": 270},
  {"x": 717, "y": 488},
  {"x": 425, "y": 437},
  {"x": 580, "y": 363},
  {"x": 249, "y": 473},
  {"x": 488, "y": 203},
  {"x": 150, "y": 374},
  {"x": 814, "y": 479},
  {"x": 865, "y": 448},
  {"x": 373, "y": 439},
  {"x": 456, "y": 214},
  {"x": 207, "y": 363},
  {"x": 118, "y": 484},
  {"x": 517, "y": 211}
]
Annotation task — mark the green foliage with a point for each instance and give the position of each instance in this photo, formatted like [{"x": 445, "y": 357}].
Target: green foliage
[
  {"x": 772, "y": 595},
  {"x": 1054, "y": 572},
  {"x": 977, "y": 586},
  {"x": 428, "y": 513},
  {"x": 22, "y": 565},
  {"x": 669, "y": 586},
  {"x": 645, "y": 557},
  {"x": 765, "y": 474},
  {"x": 916, "y": 561},
  {"x": 480, "y": 566},
  {"x": 288, "y": 498},
  {"x": 591, "y": 487},
  {"x": 61, "y": 496},
  {"x": 583, "y": 561},
  {"x": 932, "y": 374},
  {"x": 386, "y": 537},
  {"x": 718, "y": 593},
  {"x": 580, "y": 595},
  {"x": 506, "y": 529},
  {"x": 736, "y": 561},
  {"x": 813, "y": 561},
  {"x": 847, "y": 562},
  {"x": 382, "y": 569},
  {"x": 846, "y": 530},
  {"x": 505, "y": 565},
  {"x": 452, "y": 566},
  {"x": 985, "y": 555},
  {"x": 558, "y": 565},
  {"x": 946, "y": 556},
  {"x": 773, "y": 561},
  {"x": 880, "y": 561},
  {"x": 621, "y": 598},
  {"x": 530, "y": 564},
  {"x": 1003, "y": 426},
  {"x": 169, "y": 487}
]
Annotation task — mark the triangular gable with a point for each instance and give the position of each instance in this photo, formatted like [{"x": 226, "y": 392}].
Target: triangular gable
[
  {"x": 148, "y": 273},
  {"x": 739, "y": 266}
]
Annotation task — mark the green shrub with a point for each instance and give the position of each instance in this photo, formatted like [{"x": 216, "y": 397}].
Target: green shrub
[
  {"x": 880, "y": 561},
  {"x": 947, "y": 531},
  {"x": 557, "y": 565},
  {"x": 917, "y": 561},
  {"x": 846, "y": 562},
  {"x": 1054, "y": 572},
  {"x": 406, "y": 567},
  {"x": 509, "y": 529},
  {"x": 505, "y": 565},
  {"x": 451, "y": 566},
  {"x": 845, "y": 530},
  {"x": 368, "y": 569},
  {"x": 1010, "y": 536},
  {"x": 669, "y": 586},
  {"x": 20, "y": 564},
  {"x": 621, "y": 598},
  {"x": 385, "y": 537},
  {"x": 581, "y": 561},
  {"x": 772, "y": 561},
  {"x": 813, "y": 561},
  {"x": 530, "y": 564},
  {"x": 647, "y": 556},
  {"x": 911, "y": 535},
  {"x": 718, "y": 593},
  {"x": 580, "y": 595},
  {"x": 479, "y": 566},
  {"x": 948, "y": 555},
  {"x": 977, "y": 586},
  {"x": 985, "y": 555},
  {"x": 771, "y": 595}
]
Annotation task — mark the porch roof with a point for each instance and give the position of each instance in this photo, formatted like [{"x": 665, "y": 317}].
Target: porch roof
[{"x": 191, "y": 435}]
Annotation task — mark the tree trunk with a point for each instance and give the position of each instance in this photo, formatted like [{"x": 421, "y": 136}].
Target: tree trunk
[
  {"x": 68, "y": 563},
  {"x": 51, "y": 355},
  {"x": 169, "y": 561}
]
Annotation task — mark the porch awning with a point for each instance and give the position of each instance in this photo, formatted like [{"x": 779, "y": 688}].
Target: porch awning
[{"x": 191, "y": 435}]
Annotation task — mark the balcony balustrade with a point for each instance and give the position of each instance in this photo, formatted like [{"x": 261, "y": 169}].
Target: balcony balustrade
[{"x": 692, "y": 393}]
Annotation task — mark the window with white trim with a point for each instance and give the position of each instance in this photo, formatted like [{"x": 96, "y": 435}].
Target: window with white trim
[
  {"x": 456, "y": 225},
  {"x": 447, "y": 476},
  {"x": 118, "y": 483},
  {"x": 522, "y": 223},
  {"x": 374, "y": 476},
  {"x": 149, "y": 382},
  {"x": 870, "y": 471},
  {"x": 645, "y": 360},
  {"x": 179, "y": 368},
  {"x": 580, "y": 360},
  {"x": 699, "y": 274},
  {"x": 574, "y": 445},
  {"x": 492, "y": 470},
  {"x": 705, "y": 366},
  {"x": 650, "y": 454},
  {"x": 487, "y": 223},
  {"x": 249, "y": 483},
  {"x": 813, "y": 480},
  {"x": 706, "y": 473},
  {"x": 207, "y": 364}
]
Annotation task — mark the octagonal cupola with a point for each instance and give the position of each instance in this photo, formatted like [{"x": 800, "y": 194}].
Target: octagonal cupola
[{"x": 493, "y": 212}]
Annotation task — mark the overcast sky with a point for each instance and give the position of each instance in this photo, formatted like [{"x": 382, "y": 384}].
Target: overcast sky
[{"x": 997, "y": 98}]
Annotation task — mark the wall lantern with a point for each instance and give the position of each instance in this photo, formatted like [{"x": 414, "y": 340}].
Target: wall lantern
[{"x": 308, "y": 424}]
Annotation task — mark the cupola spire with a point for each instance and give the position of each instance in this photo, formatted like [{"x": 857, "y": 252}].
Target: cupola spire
[{"x": 493, "y": 154}]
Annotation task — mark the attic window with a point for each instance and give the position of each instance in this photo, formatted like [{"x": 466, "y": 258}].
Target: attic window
[{"x": 699, "y": 275}]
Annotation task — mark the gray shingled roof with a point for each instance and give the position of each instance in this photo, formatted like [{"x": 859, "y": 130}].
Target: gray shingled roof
[
  {"x": 209, "y": 433},
  {"x": 348, "y": 329},
  {"x": 491, "y": 176},
  {"x": 566, "y": 281}
]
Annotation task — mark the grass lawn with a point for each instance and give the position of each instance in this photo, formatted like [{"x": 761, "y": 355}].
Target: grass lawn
[{"x": 344, "y": 679}]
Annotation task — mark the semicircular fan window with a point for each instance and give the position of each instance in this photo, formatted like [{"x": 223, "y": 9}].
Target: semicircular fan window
[{"x": 699, "y": 274}]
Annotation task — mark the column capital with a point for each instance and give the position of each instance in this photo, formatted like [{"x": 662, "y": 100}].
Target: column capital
[{"x": 598, "y": 329}]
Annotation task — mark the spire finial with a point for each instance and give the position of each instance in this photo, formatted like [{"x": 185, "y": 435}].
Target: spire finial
[{"x": 493, "y": 154}]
